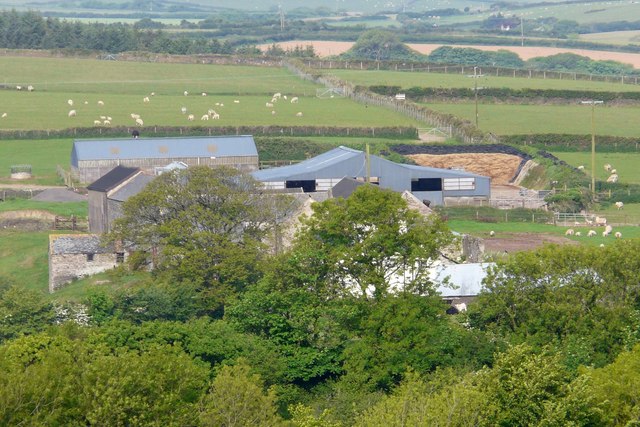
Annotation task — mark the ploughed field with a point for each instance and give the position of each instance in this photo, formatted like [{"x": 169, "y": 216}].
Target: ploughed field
[{"x": 112, "y": 89}]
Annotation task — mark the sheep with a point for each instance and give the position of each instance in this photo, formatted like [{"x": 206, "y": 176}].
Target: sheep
[
  {"x": 269, "y": 104},
  {"x": 619, "y": 205},
  {"x": 106, "y": 122},
  {"x": 277, "y": 95},
  {"x": 613, "y": 178},
  {"x": 569, "y": 232},
  {"x": 30, "y": 88},
  {"x": 153, "y": 94},
  {"x": 462, "y": 307},
  {"x": 608, "y": 229},
  {"x": 190, "y": 117},
  {"x": 4, "y": 115},
  {"x": 581, "y": 167},
  {"x": 97, "y": 122},
  {"x": 135, "y": 116},
  {"x": 215, "y": 116},
  {"x": 18, "y": 87},
  {"x": 186, "y": 93},
  {"x": 204, "y": 117},
  {"x": 618, "y": 235},
  {"x": 146, "y": 99},
  {"x": 101, "y": 103},
  {"x": 273, "y": 112},
  {"x": 284, "y": 97},
  {"x": 221, "y": 104},
  {"x": 578, "y": 234},
  {"x": 294, "y": 100},
  {"x": 72, "y": 113},
  {"x": 614, "y": 171},
  {"x": 86, "y": 102},
  {"x": 139, "y": 122},
  {"x": 591, "y": 233},
  {"x": 204, "y": 93},
  {"x": 601, "y": 221},
  {"x": 274, "y": 100},
  {"x": 236, "y": 101},
  {"x": 607, "y": 167},
  {"x": 602, "y": 245},
  {"x": 588, "y": 221},
  {"x": 70, "y": 102},
  {"x": 183, "y": 110},
  {"x": 109, "y": 118},
  {"x": 492, "y": 233},
  {"x": 299, "y": 114}
]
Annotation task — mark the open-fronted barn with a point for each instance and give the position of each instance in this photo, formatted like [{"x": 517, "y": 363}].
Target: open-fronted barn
[
  {"x": 91, "y": 159},
  {"x": 323, "y": 172}
]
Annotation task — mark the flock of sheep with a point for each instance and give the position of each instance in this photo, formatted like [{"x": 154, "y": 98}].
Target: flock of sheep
[
  {"x": 211, "y": 114},
  {"x": 613, "y": 173}
]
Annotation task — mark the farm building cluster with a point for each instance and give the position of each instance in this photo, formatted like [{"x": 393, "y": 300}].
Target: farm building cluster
[{"x": 117, "y": 169}]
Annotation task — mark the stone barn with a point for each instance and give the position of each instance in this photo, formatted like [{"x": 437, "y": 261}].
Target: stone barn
[
  {"x": 91, "y": 159},
  {"x": 73, "y": 256}
]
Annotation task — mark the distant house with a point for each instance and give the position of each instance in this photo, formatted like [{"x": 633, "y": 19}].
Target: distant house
[
  {"x": 73, "y": 256},
  {"x": 107, "y": 194},
  {"x": 323, "y": 172},
  {"x": 91, "y": 159}
]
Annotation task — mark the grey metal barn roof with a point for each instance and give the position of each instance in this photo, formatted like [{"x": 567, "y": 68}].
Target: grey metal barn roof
[
  {"x": 343, "y": 161},
  {"x": 162, "y": 148},
  {"x": 112, "y": 178}
]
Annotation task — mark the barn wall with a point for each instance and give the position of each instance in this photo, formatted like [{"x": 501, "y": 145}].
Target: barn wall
[
  {"x": 91, "y": 170},
  {"x": 65, "y": 268},
  {"x": 97, "y": 211}
]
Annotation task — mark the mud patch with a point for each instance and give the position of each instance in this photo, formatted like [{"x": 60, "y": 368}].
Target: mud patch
[
  {"x": 518, "y": 242},
  {"x": 501, "y": 168}
]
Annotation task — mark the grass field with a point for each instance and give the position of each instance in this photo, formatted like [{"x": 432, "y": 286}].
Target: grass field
[
  {"x": 508, "y": 119},
  {"x": 123, "y": 85},
  {"x": 407, "y": 79},
  {"x": 613, "y": 37},
  {"x": 42, "y": 155},
  {"x": 79, "y": 209},
  {"x": 24, "y": 259},
  {"x": 625, "y": 163}
]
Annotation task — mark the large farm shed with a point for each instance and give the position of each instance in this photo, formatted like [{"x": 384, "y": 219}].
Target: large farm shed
[
  {"x": 91, "y": 159},
  {"x": 323, "y": 172}
]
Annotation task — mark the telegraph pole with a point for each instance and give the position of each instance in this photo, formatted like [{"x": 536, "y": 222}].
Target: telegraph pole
[{"x": 593, "y": 143}]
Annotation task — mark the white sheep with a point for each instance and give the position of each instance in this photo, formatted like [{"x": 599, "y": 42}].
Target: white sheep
[
  {"x": 70, "y": 102},
  {"x": 601, "y": 221},
  {"x": 614, "y": 171},
  {"x": 299, "y": 114},
  {"x": 183, "y": 110},
  {"x": 18, "y": 87},
  {"x": 30, "y": 88},
  {"x": 492, "y": 233},
  {"x": 204, "y": 93},
  {"x": 269, "y": 104},
  {"x": 146, "y": 99},
  {"x": 215, "y": 116},
  {"x": 4, "y": 115},
  {"x": 284, "y": 97},
  {"x": 273, "y": 112},
  {"x": 294, "y": 100},
  {"x": 578, "y": 234},
  {"x": 153, "y": 94},
  {"x": 236, "y": 101},
  {"x": 591, "y": 233},
  {"x": 619, "y": 205},
  {"x": 274, "y": 100},
  {"x": 608, "y": 229},
  {"x": 72, "y": 113},
  {"x": 277, "y": 95},
  {"x": 613, "y": 178},
  {"x": 618, "y": 235},
  {"x": 139, "y": 122},
  {"x": 581, "y": 167},
  {"x": 607, "y": 167},
  {"x": 602, "y": 245},
  {"x": 106, "y": 122},
  {"x": 204, "y": 117},
  {"x": 569, "y": 232},
  {"x": 461, "y": 307},
  {"x": 101, "y": 103},
  {"x": 97, "y": 122},
  {"x": 191, "y": 117},
  {"x": 109, "y": 118},
  {"x": 221, "y": 104},
  {"x": 135, "y": 116},
  {"x": 86, "y": 102},
  {"x": 186, "y": 93}
]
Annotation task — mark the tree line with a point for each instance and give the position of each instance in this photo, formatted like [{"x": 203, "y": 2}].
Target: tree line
[{"x": 225, "y": 330}]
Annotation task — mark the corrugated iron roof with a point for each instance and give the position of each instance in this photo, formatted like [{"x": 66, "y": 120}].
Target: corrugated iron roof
[
  {"x": 131, "y": 188},
  {"x": 348, "y": 162},
  {"x": 141, "y": 148}
]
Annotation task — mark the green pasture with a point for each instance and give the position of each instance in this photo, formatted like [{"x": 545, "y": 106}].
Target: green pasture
[
  {"x": 42, "y": 155},
  {"x": 507, "y": 229},
  {"x": 407, "y": 79},
  {"x": 625, "y": 163},
  {"x": 121, "y": 86},
  {"x": 613, "y": 37},
  {"x": 67, "y": 209},
  {"x": 508, "y": 119},
  {"x": 24, "y": 259}
]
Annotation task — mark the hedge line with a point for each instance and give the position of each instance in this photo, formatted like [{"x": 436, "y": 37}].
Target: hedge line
[
  {"x": 505, "y": 93},
  {"x": 154, "y": 131},
  {"x": 568, "y": 142}
]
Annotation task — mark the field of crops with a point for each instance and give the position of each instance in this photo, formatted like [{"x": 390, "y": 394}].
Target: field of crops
[
  {"x": 613, "y": 37},
  {"x": 407, "y": 79},
  {"x": 505, "y": 119},
  {"x": 121, "y": 86}
]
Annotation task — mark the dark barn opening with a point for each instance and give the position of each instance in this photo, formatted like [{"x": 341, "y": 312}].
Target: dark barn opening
[
  {"x": 308, "y": 186},
  {"x": 426, "y": 184}
]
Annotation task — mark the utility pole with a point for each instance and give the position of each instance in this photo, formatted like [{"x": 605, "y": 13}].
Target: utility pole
[
  {"x": 593, "y": 143},
  {"x": 281, "y": 13},
  {"x": 475, "y": 78},
  {"x": 522, "y": 30}
]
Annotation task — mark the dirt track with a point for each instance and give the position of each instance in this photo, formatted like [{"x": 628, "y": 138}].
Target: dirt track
[
  {"x": 329, "y": 48},
  {"x": 500, "y": 167},
  {"x": 517, "y": 242}
]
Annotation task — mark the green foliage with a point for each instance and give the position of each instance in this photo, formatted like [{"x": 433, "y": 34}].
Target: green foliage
[
  {"x": 573, "y": 200},
  {"x": 22, "y": 311},
  {"x": 303, "y": 416},
  {"x": 237, "y": 398},
  {"x": 581, "y": 64},
  {"x": 471, "y": 56},
  {"x": 380, "y": 45}
]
